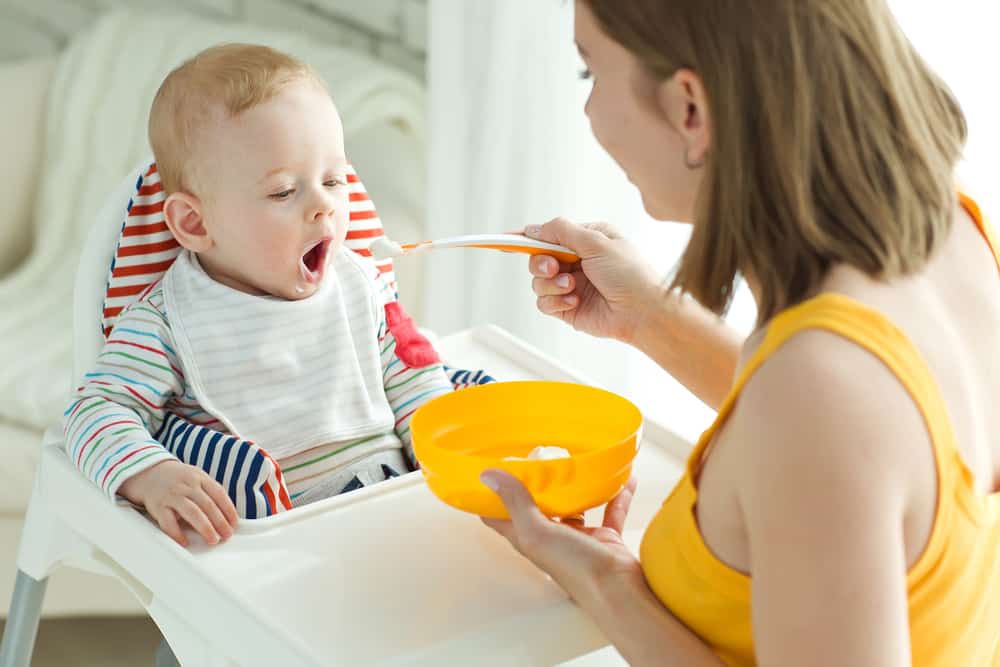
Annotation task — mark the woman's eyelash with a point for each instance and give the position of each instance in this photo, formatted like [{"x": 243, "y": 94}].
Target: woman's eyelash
[{"x": 585, "y": 74}]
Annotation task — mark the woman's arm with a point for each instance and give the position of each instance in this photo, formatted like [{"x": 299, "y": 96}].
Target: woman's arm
[
  {"x": 692, "y": 344},
  {"x": 642, "y": 629},
  {"x": 597, "y": 570},
  {"x": 612, "y": 292},
  {"x": 827, "y": 440}
]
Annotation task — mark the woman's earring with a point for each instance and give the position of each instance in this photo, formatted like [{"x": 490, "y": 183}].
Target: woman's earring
[{"x": 693, "y": 165}]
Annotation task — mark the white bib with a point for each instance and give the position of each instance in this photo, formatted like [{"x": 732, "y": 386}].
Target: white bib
[{"x": 288, "y": 375}]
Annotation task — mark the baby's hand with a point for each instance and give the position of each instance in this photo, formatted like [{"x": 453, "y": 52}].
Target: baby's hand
[{"x": 173, "y": 491}]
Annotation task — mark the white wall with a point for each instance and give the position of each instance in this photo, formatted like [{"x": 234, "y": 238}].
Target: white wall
[
  {"x": 959, "y": 41},
  {"x": 392, "y": 30}
]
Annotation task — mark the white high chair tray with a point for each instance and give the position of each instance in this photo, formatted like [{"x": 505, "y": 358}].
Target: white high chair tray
[{"x": 387, "y": 575}]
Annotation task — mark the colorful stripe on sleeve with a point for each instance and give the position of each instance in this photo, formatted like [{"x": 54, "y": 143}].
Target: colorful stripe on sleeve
[{"x": 123, "y": 400}]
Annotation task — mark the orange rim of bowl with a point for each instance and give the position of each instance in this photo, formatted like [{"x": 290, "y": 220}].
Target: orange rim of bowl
[{"x": 636, "y": 434}]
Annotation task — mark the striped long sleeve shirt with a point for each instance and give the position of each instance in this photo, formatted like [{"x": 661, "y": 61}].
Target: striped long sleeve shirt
[{"x": 112, "y": 421}]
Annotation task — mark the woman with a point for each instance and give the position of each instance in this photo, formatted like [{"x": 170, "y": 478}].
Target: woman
[{"x": 850, "y": 481}]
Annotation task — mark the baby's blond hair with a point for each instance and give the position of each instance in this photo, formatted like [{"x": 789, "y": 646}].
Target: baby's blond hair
[{"x": 228, "y": 78}]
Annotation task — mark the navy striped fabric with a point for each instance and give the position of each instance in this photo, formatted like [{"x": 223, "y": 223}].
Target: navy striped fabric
[
  {"x": 250, "y": 476},
  {"x": 462, "y": 378}
]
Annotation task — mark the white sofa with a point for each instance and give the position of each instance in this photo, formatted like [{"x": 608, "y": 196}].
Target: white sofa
[{"x": 388, "y": 154}]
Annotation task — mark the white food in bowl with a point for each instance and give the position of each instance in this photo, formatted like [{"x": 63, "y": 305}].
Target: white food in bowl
[{"x": 542, "y": 454}]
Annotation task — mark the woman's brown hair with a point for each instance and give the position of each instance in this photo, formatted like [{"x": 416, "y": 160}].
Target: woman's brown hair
[{"x": 833, "y": 141}]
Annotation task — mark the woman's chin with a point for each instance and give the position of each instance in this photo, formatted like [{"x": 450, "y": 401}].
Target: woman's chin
[
  {"x": 657, "y": 210},
  {"x": 664, "y": 211}
]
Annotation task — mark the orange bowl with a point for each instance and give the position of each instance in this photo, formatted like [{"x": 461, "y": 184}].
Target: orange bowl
[{"x": 459, "y": 435}]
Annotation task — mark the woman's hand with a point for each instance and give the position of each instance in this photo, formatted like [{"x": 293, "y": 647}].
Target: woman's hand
[
  {"x": 581, "y": 559},
  {"x": 607, "y": 293},
  {"x": 612, "y": 292}
]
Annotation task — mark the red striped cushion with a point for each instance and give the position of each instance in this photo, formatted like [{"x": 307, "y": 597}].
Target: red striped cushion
[{"x": 146, "y": 248}]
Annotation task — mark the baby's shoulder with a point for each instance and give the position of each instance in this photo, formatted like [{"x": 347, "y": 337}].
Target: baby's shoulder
[{"x": 148, "y": 309}]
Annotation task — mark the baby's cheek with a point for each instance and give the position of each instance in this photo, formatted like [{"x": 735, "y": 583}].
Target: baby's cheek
[
  {"x": 277, "y": 257},
  {"x": 342, "y": 217}
]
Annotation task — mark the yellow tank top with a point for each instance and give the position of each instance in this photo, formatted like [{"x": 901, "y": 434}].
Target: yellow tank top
[{"x": 953, "y": 589}]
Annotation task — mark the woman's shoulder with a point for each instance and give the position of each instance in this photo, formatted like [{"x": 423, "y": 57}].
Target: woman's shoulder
[
  {"x": 823, "y": 408},
  {"x": 816, "y": 368}
]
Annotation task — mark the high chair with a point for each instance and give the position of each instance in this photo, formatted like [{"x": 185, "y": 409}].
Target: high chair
[{"x": 385, "y": 575}]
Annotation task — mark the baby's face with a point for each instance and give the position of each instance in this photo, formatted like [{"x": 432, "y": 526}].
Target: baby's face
[{"x": 274, "y": 194}]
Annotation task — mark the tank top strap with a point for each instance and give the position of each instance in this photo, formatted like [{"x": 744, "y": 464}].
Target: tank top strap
[
  {"x": 872, "y": 331},
  {"x": 972, "y": 208}
]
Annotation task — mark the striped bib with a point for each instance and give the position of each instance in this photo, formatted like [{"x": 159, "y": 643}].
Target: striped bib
[{"x": 296, "y": 374}]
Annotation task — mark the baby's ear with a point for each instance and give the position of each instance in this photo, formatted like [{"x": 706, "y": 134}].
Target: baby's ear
[{"x": 183, "y": 214}]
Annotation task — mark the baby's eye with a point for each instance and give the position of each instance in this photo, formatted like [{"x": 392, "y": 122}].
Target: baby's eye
[
  {"x": 333, "y": 182},
  {"x": 284, "y": 194}
]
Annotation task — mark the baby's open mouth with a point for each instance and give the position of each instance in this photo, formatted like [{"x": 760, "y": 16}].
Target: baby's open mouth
[{"x": 314, "y": 260}]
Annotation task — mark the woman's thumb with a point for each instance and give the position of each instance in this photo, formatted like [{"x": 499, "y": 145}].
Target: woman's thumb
[
  {"x": 516, "y": 498},
  {"x": 584, "y": 241}
]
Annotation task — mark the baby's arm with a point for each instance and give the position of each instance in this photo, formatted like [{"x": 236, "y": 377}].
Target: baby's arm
[
  {"x": 122, "y": 401},
  {"x": 412, "y": 371},
  {"x": 110, "y": 422}
]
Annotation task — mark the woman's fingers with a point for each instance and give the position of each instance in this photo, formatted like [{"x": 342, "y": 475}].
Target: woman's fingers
[
  {"x": 556, "y": 295},
  {"x": 545, "y": 266},
  {"x": 515, "y": 496},
  {"x": 552, "y": 305},
  {"x": 608, "y": 230},
  {"x": 584, "y": 240},
  {"x": 617, "y": 510},
  {"x": 502, "y": 526},
  {"x": 559, "y": 292},
  {"x": 526, "y": 521},
  {"x": 527, "y": 526},
  {"x": 562, "y": 284}
]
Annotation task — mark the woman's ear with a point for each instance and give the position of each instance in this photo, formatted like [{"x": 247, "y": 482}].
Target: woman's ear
[
  {"x": 684, "y": 102},
  {"x": 183, "y": 214}
]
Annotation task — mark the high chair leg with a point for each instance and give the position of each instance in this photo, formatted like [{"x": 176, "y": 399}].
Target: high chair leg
[
  {"x": 18, "y": 641},
  {"x": 164, "y": 656}
]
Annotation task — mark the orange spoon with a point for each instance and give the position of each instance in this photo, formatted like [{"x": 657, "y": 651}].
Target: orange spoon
[{"x": 384, "y": 247}]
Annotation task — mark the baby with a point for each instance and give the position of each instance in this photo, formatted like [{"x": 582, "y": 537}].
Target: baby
[{"x": 265, "y": 326}]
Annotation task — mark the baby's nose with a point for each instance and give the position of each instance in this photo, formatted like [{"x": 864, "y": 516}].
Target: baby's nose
[{"x": 325, "y": 208}]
